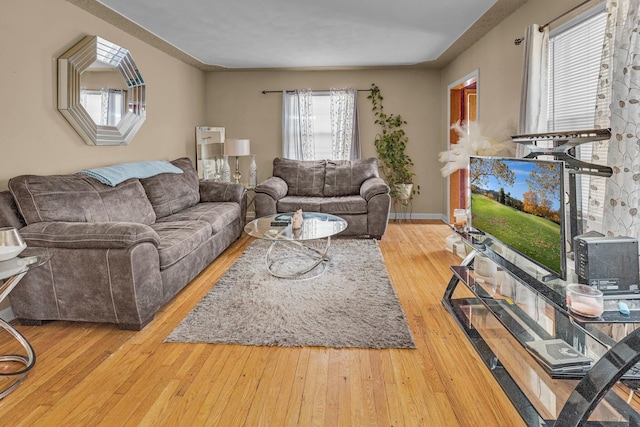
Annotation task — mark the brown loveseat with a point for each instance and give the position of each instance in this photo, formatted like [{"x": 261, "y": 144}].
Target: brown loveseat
[
  {"x": 119, "y": 253},
  {"x": 350, "y": 189}
]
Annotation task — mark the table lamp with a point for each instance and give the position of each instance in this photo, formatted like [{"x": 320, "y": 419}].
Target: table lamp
[
  {"x": 210, "y": 154},
  {"x": 11, "y": 243},
  {"x": 237, "y": 147}
]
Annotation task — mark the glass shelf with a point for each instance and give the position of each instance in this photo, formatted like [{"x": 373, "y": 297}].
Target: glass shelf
[
  {"x": 549, "y": 287},
  {"x": 513, "y": 307}
]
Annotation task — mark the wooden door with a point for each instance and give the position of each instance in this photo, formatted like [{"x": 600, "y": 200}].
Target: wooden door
[{"x": 463, "y": 105}]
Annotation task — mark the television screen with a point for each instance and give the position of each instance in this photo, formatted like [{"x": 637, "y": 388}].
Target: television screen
[{"x": 520, "y": 203}]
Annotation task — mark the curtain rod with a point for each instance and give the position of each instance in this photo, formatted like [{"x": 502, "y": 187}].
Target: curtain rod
[
  {"x": 264, "y": 92},
  {"x": 542, "y": 27}
]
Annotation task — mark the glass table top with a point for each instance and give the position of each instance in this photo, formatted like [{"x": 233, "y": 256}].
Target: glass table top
[
  {"x": 19, "y": 264},
  {"x": 12, "y": 269},
  {"x": 315, "y": 225}
]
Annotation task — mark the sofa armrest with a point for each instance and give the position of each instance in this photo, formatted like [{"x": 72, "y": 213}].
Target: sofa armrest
[
  {"x": 274, "y": 186},
  {"x": 212, "y": 191},
  {"x": 88, "y": 235},
  {"x": 372, "y": 187}
]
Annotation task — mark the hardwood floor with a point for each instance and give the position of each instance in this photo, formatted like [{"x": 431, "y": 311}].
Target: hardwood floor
[{"x": 95, "y": 374}]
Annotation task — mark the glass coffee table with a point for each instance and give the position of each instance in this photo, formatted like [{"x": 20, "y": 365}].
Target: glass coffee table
[{"x": 315, "y": 226}]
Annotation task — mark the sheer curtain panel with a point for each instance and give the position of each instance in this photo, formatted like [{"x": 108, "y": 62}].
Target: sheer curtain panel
[
  {"x": 622, "y": 193},
  {"x": 345, "y": 141},
  {"x": 297, "y": 125}
]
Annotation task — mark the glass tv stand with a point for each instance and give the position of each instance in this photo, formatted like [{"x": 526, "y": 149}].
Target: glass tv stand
[{"x": 508, "y": 307}]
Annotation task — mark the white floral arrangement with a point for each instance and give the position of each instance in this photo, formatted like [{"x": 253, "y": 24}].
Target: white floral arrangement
[{"x": 472, "y": 143}]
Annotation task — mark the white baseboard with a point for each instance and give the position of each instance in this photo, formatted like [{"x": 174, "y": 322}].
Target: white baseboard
[{"x": 404, "y": 215}]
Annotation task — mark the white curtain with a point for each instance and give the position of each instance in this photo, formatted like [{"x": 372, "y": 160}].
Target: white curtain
[
  {"x": 621, "y": 79},
  {"x": 104, "y": 106},
  {"x": 115, "y": 106},
  {"x": 345, "y": 142},
  {"x": 535, "y": 77},
  {"x": 297, "y": 125}
]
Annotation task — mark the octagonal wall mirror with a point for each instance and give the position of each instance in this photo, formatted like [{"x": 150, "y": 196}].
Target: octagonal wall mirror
[{"x": 101, "y": 92}]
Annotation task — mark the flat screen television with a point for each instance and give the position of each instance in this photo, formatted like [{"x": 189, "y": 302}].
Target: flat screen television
[{"x": 520, "y": 202}]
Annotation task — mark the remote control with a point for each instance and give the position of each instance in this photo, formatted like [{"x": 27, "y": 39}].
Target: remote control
[{"x": 279, "y": 223}]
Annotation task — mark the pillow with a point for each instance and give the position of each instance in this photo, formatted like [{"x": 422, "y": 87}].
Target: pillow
[
  {"x": 303, "y": 177},
  {"x": 345, "y": 177},
  {"x": 79, "y": 198},
  {"x": 171, "y": 193}
]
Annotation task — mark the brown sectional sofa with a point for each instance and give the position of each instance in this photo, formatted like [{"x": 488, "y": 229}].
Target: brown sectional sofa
[
  {"x": 118, "y": 253},
  {"x": 350, "y": 189}
]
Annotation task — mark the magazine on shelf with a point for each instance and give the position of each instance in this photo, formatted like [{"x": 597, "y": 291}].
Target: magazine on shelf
[{"x": 558, "y": 356}]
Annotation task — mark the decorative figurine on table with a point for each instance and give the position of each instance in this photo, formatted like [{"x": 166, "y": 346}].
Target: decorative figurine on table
[{"x": 296, "y": 222}]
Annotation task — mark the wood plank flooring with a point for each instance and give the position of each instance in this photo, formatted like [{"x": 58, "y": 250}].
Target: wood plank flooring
[{"x": 95, "y": 374}]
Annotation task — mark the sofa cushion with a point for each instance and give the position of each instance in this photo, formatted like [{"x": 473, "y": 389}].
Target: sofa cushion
[
  {"x": 170, "y": 193},
  {"x": 344, "y": 177},
  {"x": 293, "y": 203},
  {"x": 352, "y": 205},
  {"x": 219, "y": 215},
  {"x": 303, "y": 177},
  {"x": 179, "y": 238},
  {"x": 79, "y": 198}
]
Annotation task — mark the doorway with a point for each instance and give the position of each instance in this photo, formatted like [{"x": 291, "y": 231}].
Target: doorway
[{"x": 463, "y": 107}]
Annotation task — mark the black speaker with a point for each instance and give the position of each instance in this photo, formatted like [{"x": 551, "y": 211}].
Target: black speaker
[{"x": 607, "y": 263}]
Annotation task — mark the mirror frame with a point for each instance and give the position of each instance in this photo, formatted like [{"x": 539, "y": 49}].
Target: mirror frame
[{"x": 77, "y": 60}]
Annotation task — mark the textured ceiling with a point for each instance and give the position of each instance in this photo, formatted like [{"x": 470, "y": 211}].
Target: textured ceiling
[{"x": 299, "y": 34}]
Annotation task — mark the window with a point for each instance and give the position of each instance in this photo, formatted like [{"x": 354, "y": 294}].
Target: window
[
  {"x": 320, "y": 125},
  {"x": 575, "y": 51},
  {"x": 574, "y": 63}
]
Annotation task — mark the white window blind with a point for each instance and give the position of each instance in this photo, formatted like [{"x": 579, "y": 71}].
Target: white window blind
[
  {"x": 574, "y": 64},
  {"x": 322, "y": 125},
  {"x": 575, "y": 50}
]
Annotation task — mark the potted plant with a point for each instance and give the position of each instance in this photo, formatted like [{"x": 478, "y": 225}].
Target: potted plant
[{"x": 390, "y": 145}]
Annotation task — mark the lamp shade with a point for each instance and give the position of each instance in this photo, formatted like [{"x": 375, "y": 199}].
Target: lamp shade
[
  {"x": 237, "y": 147},
  {"x": 11, "y": 243},
  {"x": 210, "y": 150}
]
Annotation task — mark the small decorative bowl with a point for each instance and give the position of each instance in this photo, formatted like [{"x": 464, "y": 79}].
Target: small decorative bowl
[
  {"x": 11, "y": 243},
  {"x": 585, "y": 300}
]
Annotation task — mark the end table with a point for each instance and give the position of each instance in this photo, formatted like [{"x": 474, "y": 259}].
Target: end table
[{"x": 11, "y": 272}]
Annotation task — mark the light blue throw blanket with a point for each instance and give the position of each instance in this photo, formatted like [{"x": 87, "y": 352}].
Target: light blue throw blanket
[{"x": 114, "y": 175}]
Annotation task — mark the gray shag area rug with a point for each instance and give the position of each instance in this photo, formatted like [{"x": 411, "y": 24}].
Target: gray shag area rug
[{"x": 352, "y": 304}]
